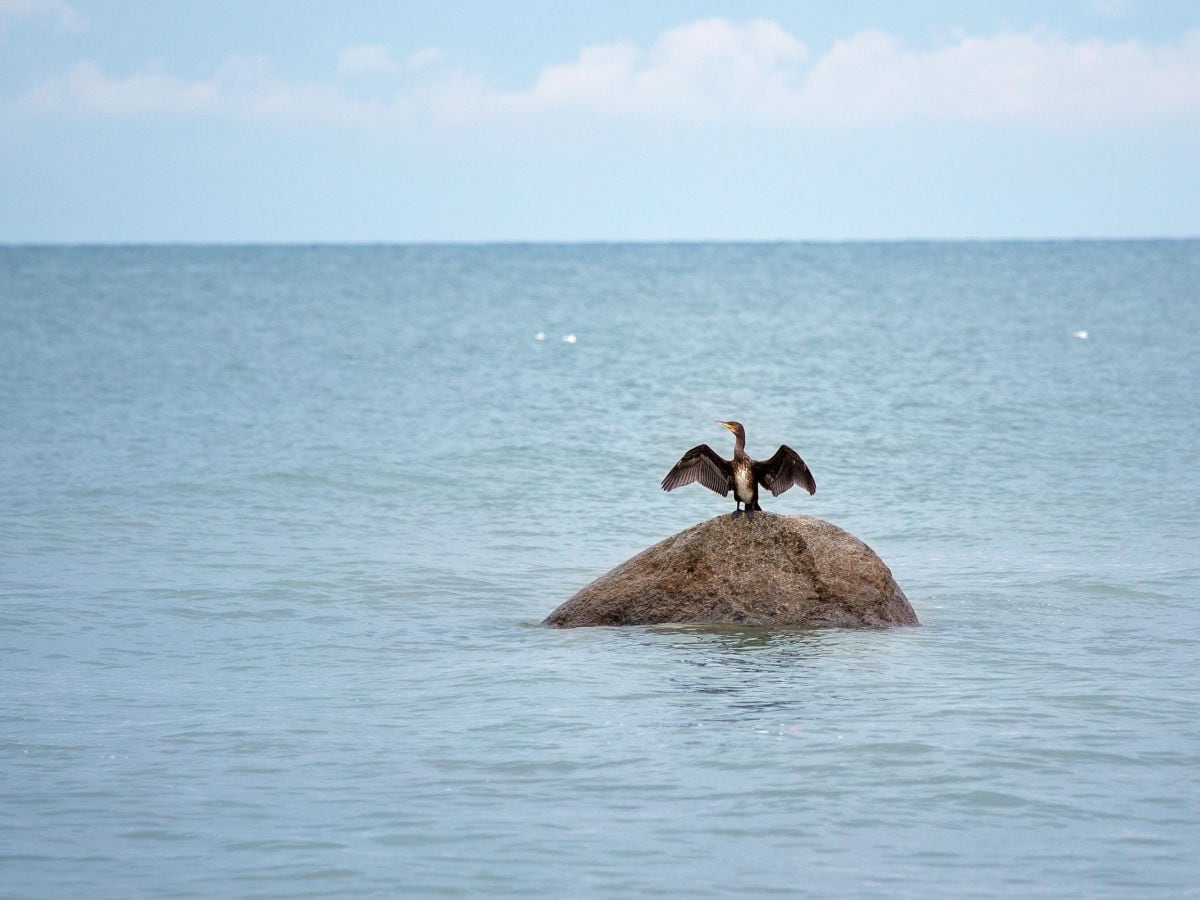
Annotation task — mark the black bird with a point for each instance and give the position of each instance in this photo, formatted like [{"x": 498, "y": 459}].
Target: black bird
[{"x": 742, "y": 475}]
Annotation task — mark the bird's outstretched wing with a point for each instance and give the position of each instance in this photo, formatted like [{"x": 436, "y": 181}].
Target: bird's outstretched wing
[
  {"x": 782, "y": 470},
  {"x": 702, "y": 464}
]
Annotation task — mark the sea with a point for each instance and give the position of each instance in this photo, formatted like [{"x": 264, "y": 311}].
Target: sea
[{"x": 279, "y": 526}]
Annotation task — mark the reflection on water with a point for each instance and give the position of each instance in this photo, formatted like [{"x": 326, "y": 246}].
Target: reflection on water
[
  {"x": 743, "y": 637},
  {"x": 755, "y": 671}
]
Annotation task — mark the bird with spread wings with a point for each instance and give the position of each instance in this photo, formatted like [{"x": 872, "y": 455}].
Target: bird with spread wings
[{"x": 742, "y": 475}]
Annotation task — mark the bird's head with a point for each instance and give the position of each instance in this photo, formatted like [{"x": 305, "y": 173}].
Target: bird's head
[{"x": 735, "y": 427}]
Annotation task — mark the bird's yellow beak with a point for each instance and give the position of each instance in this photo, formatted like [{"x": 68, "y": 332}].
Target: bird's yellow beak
[{"x": 726, "y": 424}]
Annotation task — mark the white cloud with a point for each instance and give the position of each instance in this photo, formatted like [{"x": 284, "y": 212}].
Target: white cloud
[
  {"x": 368, "y": 59},
  {"x": 63, "y": 14},
  {"x": 88, "y": 90},
  {"x": 715, "y": 71},
  {"x": 1110, "y": 9},
  {"x": 710, "y": 71},
  {"x": 242, "y": 88},
  {"x": 377, "y": 60},
  {"x": 697, "y": 72},
  {"x": 422, "y": 58},
  {"x": 1006, "y": 78}
]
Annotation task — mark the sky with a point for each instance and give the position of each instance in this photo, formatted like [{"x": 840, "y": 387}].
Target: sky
[{"x": 374, "y": 121}]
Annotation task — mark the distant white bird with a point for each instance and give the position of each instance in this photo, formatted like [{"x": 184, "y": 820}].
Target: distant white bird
[
  {"x": 1082, "y": 335},
  {"x": 569, "y": 339},
  {"x": 540, "y": 336}
]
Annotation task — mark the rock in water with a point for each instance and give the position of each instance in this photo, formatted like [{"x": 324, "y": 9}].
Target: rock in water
[{"x": 769, "y": 570}]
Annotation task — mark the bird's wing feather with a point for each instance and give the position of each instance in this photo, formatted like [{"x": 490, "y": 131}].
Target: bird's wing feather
[
  {"x": 782, "y": 470},
  {"x": 701, "y": 464}
]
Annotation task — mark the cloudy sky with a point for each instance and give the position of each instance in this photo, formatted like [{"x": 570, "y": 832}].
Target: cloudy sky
[{"x": 567, "y": 121}]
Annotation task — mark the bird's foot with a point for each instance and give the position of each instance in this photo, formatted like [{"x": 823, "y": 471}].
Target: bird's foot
[{"x": 736, "y": 513}]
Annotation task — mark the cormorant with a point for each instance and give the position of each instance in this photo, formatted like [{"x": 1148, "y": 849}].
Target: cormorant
[{"x": 742, "y": 475}]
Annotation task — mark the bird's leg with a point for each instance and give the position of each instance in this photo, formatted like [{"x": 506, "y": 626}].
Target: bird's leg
[{"x": 738, "y": 509}]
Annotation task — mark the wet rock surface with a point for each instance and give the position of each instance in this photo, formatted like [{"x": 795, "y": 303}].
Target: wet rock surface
[{"x": 797, "y": 571}]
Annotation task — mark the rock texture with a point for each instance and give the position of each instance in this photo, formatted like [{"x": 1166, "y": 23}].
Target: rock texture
[{"x": 769, "y": 570}]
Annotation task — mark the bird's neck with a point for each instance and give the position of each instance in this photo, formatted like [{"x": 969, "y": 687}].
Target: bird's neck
[{"x": 739, "y": 446}]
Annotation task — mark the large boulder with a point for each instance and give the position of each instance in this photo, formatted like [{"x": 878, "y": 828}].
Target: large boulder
[{"x": 767, "y": 570}]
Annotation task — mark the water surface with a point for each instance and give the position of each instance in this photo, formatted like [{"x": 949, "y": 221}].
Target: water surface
[{"x": 278, "y": 526}]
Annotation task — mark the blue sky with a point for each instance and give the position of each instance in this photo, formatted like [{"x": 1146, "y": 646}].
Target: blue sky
[{"x": 508, "y": 121}]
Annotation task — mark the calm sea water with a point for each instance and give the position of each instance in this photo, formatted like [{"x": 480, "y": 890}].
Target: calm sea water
[{"x": 278, "y": 526}]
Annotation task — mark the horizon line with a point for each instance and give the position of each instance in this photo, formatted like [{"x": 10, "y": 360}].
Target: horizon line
[{"x": 585, "y": 242}]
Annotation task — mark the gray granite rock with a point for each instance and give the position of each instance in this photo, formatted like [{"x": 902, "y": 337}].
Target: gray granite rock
[{"x": 767, "y": 570}]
